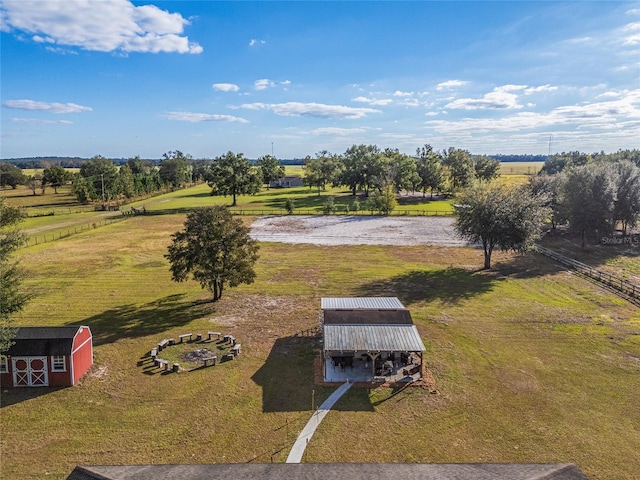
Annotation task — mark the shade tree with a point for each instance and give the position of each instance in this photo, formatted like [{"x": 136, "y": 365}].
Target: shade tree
[
  {"x": 214, "y": 248},
  {"x": 627, "y": 195},
  {"x": 485, "y": 168},
  {"x": 175, "y": 168},
  {"x": 460, "y": 167},
  {"x": 55, "y": 176},
  {"x": 499, "y": 216},
  {"x": 11, "y": 176},
  {"x": 271, "y": 168},
  {"x": 97, "y": 180},
  {"x": 325, "y": 169},
  {"x": 431, "y": 175},
  {"x": 232, "y": 174},
  {"x": 586, "y": 200},
  {"x": 402, "y": 170},
  {"x": 363, "y": 167}
]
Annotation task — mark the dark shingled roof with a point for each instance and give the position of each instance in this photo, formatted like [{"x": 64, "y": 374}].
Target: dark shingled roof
[
  {"x": 332, "y": 471},
  {"x": 33, "y": 341}
]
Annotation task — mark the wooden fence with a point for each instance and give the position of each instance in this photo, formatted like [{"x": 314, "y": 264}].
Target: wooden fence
[{"x": 626, "y": 288}]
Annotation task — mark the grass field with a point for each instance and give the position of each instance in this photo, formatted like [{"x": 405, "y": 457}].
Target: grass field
[
  {"x": 54, "y": 215},
  {"x": 531, "y": 363}
]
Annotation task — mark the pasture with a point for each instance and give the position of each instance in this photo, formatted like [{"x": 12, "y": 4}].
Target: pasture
[
  {"x": 531, "y": 363},
  {"x": 54, "y": 215}
]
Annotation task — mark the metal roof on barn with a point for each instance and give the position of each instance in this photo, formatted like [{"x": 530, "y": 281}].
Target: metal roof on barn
[
  {"x": 372, "y": 338},
  {"x": 368, "y": 303}
]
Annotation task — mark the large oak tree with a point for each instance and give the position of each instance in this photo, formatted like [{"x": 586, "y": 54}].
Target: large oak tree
[
  {"x": 497, "y": 215},
  {"x": 215, "y": 248},
  {"x": 232, "y": 174}
]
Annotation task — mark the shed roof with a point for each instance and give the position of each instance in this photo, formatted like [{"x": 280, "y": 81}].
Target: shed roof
[
  {"x": 33, "y": 341},
  {"x": 369, "y": 303},
  {"x": 372, "y": 338},
  {"x": 370, "y": 317},
  {"x": 330, "y": 471}
]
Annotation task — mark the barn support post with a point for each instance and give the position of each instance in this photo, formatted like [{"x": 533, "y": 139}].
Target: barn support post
[{"x": 373, "y": 357}]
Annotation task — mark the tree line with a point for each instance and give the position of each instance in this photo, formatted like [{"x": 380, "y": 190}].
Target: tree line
[
  {"x": 361, "y": 168},
  {"x": 593, "y": 195}
]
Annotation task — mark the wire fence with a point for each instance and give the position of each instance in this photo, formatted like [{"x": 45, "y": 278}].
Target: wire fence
[
  {"x": 621, "y": 285},
  {"x": 50, "y": 236},
  {"x": 301, "y": 211},
  {"x": 57, "y": 211}
]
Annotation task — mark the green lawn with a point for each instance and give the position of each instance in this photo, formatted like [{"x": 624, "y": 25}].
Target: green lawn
[
  {"x": 531, "y": 363},
  {"x": 59, "y": 215}
]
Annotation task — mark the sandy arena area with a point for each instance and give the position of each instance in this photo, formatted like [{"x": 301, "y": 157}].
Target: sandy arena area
[{"x": 357, "y": 230}]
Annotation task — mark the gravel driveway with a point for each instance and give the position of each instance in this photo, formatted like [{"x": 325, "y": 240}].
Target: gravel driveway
[{"x": 356, "y": 230}]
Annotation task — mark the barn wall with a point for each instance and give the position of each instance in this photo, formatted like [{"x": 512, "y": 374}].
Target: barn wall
[
  {"x": 59, "y": 379},
  {"x": 82, "y": 353}
]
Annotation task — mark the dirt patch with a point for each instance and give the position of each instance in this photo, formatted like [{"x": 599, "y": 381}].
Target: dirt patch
[
  {"x": 196, "y": 356},
  {"x": 99, "y": 372},
  {"x": 357, "y": 230}
]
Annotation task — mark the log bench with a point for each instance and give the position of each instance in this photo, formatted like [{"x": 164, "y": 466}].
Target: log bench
[
  {"x": 211, "y": 334},
  {"x": 163, "y": 344},
  {"x": 160, "y": 362},
  {"x": 154, "y": 353},
  {"x": 185, "y": 335},
  {"x": 236, "y": 349},
  {"x": 212, "y": 359}
]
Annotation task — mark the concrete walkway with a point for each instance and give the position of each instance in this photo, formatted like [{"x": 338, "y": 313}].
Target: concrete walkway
[{"x": 295, "y": 455}]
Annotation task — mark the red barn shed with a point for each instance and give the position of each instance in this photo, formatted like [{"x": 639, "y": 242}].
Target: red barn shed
[{"x": 47, "y": 357}]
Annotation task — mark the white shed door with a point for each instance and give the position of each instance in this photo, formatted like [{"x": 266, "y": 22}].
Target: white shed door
[{"x": 30, "y": 372}]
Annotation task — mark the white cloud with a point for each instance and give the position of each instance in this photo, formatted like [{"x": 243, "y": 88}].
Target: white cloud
[
  {"x": 373, "y": 101},
  {"x": 255, "y": 41},
  {"x": 541, "y": 88},
  {"x": 194, "y": 117},
  {"x": 409, "y": 102},
  {"x": 631, "y": 34},
  {"x": 500, "y": 98},
  {"x": 318, "y": 110},
  {"x": 623, "y": 113},
  {"x": 104, "y": 26},
  {"x": 338, "y": 131},
  {"x": 398, "y": 93},
  {"x": 265, "y": 83},
  {"x": 450, "y": 84},
  {"x": 40, "y": 121},
  {"x": 225, "y": 87},
  {"x": 46, "y": 106}
]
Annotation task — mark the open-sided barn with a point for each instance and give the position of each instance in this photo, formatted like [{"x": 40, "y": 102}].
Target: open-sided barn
[
  {"x": 47, "y": 357},
  {"x": 369, "y": 339}
]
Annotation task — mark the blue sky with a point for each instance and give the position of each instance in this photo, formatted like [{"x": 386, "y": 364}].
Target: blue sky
[{"x": 119, "y": 78}]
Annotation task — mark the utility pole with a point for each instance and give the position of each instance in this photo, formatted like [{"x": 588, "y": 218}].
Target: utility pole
[{"x": 102, "y": 180}]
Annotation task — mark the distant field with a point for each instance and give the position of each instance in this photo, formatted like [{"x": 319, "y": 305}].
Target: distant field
[
  {"x": 520, "y": 168},
  {"x": 531, "y": 363},
  {"x": 60, "y": 214}
]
